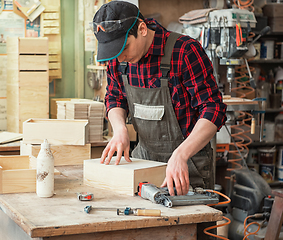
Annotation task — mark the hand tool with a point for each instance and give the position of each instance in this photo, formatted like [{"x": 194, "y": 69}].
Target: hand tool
[
  {"x": 85, "y": 196},
  {"x": 128, "y": 211},
  {"x": 161, "y": 196}
]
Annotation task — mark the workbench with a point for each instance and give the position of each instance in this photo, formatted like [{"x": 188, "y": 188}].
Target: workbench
[{"x": 25, "y": 216}]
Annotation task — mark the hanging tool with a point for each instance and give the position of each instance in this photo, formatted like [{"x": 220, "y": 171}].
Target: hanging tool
[
  {"x": 252, "y": 80},
  {"x": 162, "y": 196},
  {"x": 84, "y": 196},
  {"x": 128, "y": 211}
]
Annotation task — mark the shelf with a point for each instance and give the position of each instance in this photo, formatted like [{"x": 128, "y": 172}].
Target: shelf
[
  {"x": 275, "y": 110},
  {"x": 269, "y": 144},
  {"x": 266, "y": 61}
]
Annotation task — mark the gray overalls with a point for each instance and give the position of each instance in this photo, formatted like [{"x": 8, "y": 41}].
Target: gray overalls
[{"x": 155, "y": 121}]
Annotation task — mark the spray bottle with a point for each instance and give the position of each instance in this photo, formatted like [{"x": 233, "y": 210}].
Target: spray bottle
[{"x": 45, "y": 171}]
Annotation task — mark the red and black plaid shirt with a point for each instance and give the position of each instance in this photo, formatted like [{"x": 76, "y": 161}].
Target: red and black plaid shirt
[{"x": 192, "y": 86}]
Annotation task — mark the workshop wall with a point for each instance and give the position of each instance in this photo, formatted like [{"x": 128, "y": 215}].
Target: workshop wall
[{"x": 168, "y": 10}]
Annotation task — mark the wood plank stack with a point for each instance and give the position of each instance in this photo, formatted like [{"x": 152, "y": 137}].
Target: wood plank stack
[
  {"x": 92, "y": 111},
  {"x": 27, "y": 81}
]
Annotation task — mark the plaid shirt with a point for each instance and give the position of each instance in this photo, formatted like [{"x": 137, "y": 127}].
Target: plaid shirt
[{"x": 192, "y": 86}]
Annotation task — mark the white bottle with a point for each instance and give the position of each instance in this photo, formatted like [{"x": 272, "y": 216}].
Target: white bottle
[{"x": 45, "y": 171}]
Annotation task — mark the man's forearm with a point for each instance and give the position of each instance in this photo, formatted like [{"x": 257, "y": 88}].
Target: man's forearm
[
  {"x": 202, "y": 133},
  {"x": 117, "y": 117}
]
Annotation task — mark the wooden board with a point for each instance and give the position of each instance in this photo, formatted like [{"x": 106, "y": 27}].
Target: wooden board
[
  {"x": 63, "y": 154},
  {"x": 125, "y": 177},
  {"x": 16, "y": 175},
  {"x": 6, "y": 137},
  {"x": 63, "y": 131}
]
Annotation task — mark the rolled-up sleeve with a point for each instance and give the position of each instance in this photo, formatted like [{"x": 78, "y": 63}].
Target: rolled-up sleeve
[{"x": 115, "y": 92}]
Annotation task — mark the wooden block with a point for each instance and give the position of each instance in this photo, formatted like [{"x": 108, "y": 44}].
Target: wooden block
[
  {"x": 63, "y": 154},
  {"x": 125, "y": 177},
  {"x": 33, "y": 45},
  {"x": 33, "y": 62},
  {"x": 16, "y": 175},
  {"x": 65, "y": 132}
]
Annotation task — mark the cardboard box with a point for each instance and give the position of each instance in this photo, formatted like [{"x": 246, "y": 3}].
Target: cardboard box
[{"x": 125, "y": 177}]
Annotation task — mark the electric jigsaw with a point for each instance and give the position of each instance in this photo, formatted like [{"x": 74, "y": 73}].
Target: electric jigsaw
[{"x": 157, "y": 195}]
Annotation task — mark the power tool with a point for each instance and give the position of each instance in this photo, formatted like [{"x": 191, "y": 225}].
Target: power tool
[{"x": 157, "y": 195}]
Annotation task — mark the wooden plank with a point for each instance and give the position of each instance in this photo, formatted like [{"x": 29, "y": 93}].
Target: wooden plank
[
  {"x": 33, "y": 78},
  {"x": 12, "y": 45},
  {"x": 14, "y": 162},
  {"x": 276, "y": 217},
  {"x": 6, "y": 137},
  {"x": 66, "y": 132},
  {"x": 125, "y": 177},
  {"x": 36, "y": 62},
  {"x": 33, "y": 45},
  {"x": 178, "y": 232},
  {"x": 19, "y": 181},
  {"x": 63, "y": 154}
]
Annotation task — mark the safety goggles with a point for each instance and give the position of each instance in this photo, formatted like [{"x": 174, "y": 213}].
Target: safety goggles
[{"x": 109, "y": 26}]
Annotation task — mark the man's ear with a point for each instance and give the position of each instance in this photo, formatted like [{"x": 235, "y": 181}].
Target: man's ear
[{"x": 142, "y": 29}]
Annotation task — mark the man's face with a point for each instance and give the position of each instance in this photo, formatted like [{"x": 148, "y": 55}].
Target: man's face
[{"x": 134, "y": 50}]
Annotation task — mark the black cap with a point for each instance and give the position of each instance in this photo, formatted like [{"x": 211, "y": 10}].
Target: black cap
[{"x": 111, "y": 44}]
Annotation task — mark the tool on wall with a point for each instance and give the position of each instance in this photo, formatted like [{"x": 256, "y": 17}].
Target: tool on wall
[{"x": 127, "y": 211}]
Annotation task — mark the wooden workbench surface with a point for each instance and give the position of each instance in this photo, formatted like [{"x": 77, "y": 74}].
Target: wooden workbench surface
[{"x": 63, "y": 213}]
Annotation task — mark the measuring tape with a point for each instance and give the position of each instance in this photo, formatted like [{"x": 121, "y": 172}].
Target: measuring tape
[{"x": 85, "y": 196}]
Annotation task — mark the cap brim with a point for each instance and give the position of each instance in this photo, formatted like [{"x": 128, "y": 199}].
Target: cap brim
[{"x": 110, "y": 50}]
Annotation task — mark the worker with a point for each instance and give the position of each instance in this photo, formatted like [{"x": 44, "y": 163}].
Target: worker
[{"x": 175, "y": 116}]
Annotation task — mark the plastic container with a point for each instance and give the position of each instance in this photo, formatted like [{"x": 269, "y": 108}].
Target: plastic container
[
  {"x": 45, "y": 171},
  {"x": 269, "y": 131},
  {"x": 267, "y": 155},
  {"x": 263, "y": 90},
  {"x": 267, "y": 171},
  {"x": 279, "y": 127},
  {"x": 267, "y": 158}
]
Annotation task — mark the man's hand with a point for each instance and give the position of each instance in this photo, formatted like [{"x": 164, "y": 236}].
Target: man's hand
[
  {"x": 119, "y": 143},
  {"x": 177, "y": 173}
]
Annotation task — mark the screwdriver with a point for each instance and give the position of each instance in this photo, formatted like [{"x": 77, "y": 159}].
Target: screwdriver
[{"x": 128, "y": 211}]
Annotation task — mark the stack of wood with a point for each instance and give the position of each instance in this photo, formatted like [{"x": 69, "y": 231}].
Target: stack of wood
[{"x": 92, "y": 111}]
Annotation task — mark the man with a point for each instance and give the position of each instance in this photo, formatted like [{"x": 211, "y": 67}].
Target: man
[{"x": 174, "y": 102}]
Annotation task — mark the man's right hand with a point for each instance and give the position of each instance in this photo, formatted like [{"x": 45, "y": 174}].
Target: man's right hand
[{"x": 119, "y": 143}]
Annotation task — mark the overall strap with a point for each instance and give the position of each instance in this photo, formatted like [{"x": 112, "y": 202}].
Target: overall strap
[
  {"x": 124, "y": 66},
  {"x": 165, "y": 64}
]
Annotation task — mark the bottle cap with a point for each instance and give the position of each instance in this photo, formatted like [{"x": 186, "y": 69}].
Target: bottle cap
[{"x": 45, "y": 144}]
